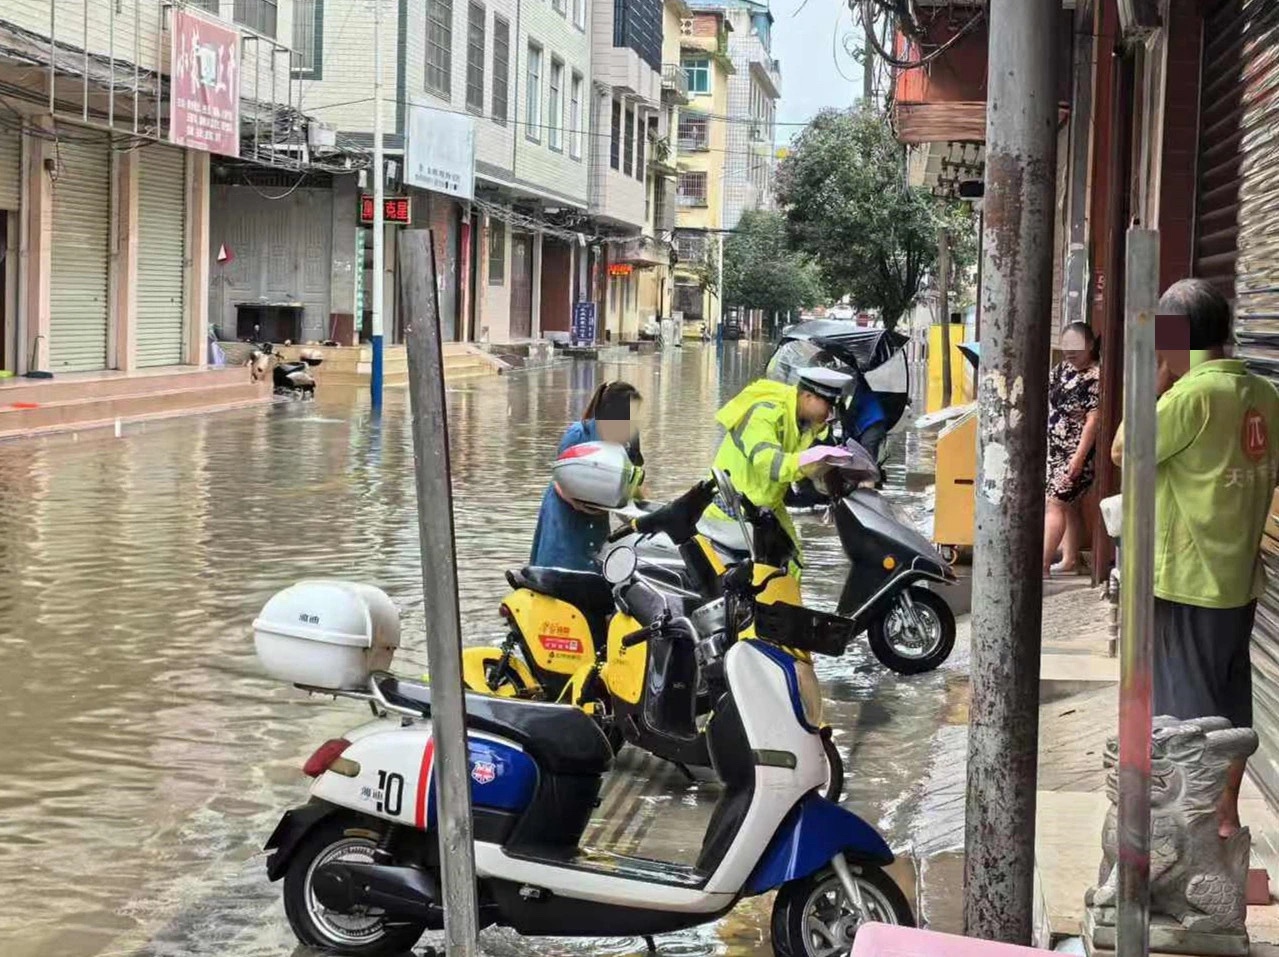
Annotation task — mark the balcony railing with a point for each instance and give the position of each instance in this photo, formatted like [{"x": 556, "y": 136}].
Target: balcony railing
[
  {"x": 675, "y": 80},
  {"x": 691, "y": 201},
  {"x": 693, "y": 144}
]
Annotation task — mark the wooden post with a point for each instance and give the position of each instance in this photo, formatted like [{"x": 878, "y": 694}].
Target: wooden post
[{"x": 419, "y": 305}]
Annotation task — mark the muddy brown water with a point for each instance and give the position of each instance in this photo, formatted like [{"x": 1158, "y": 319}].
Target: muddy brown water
[{"x": 145, "y": 758}]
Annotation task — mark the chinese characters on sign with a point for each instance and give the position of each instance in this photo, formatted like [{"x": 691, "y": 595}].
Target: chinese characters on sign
[
  {"x": 583, "y": 333},
  {"x": 440, "y": 152},
  {"x": 396, "y": 210},
  {"x": 204, "y": 100},
  {"x": 620, "y": 269}
]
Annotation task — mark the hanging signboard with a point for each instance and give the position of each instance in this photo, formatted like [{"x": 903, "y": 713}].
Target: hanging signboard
[
  {"x": 439, "y": 154},
  {"x": 396, "y": 210},
  {"x": 204, "y": 96},
  {"x": 620, "y": 269},
  {"x": 583, "y": 323}
]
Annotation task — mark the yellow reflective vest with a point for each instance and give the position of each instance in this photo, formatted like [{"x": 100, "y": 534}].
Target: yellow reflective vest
[{"x": 762, "y": 447}]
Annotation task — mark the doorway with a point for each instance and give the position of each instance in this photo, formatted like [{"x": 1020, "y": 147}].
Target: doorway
[
  {"x": 521, "y": 286},
  {"x": 8, "y": 312}
]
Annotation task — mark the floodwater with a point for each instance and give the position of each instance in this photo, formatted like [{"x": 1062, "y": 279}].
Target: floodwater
[{"x": 145, "y": 758}]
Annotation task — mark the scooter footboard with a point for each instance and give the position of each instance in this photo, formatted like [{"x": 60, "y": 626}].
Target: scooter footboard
[{"x": 809, "y": 837}]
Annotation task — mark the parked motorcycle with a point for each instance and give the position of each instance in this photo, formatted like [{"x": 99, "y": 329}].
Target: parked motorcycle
[
  {"x": 292, "y": 379},
  {"x": 360, "y": 860},
  {"x": 567, "y": 630},
  {"x": 909, "y": 627}
]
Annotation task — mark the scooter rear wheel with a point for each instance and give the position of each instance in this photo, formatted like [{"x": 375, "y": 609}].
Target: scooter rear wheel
[
  {"x": 361, "y": 935},
  {"x": 911, "y": 650},
  {"x": 813, "y": 917}
]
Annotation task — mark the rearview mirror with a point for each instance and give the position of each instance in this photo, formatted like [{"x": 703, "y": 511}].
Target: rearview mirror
[{"x": 620, "y": 565}]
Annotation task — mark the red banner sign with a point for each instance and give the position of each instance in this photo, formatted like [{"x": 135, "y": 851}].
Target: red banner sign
[
  {"x": 620, "y": 269},
  {"x": 204, "y": 102}
]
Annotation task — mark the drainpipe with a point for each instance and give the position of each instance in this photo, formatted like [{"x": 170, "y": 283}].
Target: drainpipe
[{"x": 1003, "y": 727}]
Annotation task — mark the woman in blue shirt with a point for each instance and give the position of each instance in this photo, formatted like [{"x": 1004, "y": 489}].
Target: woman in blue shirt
[{"x": 570, "y": 534}]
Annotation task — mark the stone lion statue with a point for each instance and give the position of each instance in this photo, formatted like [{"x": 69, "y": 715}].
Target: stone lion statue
[{"x": 1196, "y": 878}]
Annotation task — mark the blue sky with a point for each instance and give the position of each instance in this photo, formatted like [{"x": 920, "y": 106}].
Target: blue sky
[{"x": 811, "y": 75}]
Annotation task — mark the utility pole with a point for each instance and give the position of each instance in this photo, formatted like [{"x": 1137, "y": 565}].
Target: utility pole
[
  {"x": 868, "y": 65},
  {"x": 1003, "y": 724},
  {"x": 943, "y": 306},
  {"x": 379, "y": 231},
  {"x": 419, "y": 305},
  {"x": 1137, "y": 594}
]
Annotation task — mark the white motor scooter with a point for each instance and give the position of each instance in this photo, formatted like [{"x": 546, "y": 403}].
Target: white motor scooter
[{"x": 360, "y": 861}]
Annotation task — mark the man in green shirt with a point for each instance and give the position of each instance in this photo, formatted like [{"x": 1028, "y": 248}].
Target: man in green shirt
[{"x": 1217, "y": 450}]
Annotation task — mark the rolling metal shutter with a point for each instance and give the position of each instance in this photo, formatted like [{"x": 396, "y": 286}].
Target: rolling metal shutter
[
  {"x": 1237, "y": 215},
  {"x": 10, "y": 169},
  {"x": 81, "y": 233},
  {"x": 162, "y": 256}
]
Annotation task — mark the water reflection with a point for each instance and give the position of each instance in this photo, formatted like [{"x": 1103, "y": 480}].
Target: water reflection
[{"x": 145, "y": 757}]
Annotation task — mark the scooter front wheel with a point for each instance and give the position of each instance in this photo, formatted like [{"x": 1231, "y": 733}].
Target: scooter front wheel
[
  {"x": 813, "y": 917},
  {"x": 369, "y": 933},
  {"x": 916, "y": 633}
]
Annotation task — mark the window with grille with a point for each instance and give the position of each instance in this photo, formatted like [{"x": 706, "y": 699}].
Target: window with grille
[
  {"x": 615, "y": 138},
  {"x": 692, "y": 189},
  {"x": 555, "y": 107},
  {"x": 533, "y": 103},
  {"x": 698, "y": 73},
  {"x": 575, "y": 118},
  {"x": 475, "y": 57},
  {"x": 628, "y": 145},
  {"x": 211, "y": 5},
  {"x": 694, "y": 133},
  {"x": 308, "y": 36},
  {"x": 497, "y": 252},
  {"x": 257, "y": 15},
  {"x": 579, "y": 14},
  {"x": 439, "y": 46},
  {"x": 689, "y": 300},
  {"x": 501, "y": 69},
  {"x": 690, "y": 247}
]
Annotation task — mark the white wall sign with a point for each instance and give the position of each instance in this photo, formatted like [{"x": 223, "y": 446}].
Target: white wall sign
[{"x": 440, "y": 152}]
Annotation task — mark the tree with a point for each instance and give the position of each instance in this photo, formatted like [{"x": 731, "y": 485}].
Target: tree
[
  {"x": 762, "y": 271},
  {"x": 848, "y": 207}
]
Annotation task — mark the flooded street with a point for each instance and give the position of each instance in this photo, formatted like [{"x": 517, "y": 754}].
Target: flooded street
[{"x": 146, "y": 758}]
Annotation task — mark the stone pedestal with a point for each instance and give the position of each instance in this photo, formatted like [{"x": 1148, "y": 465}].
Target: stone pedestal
[{"x": 1166, "y": 937}]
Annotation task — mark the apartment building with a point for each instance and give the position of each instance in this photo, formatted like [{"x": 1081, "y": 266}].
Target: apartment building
[
  {"x": 105, "y": 260},
  {"x": 753, "y": 91},
  {"x": 702, "y": 137}
]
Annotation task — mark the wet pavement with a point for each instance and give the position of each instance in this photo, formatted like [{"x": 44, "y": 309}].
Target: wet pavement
[{"x": 146, "y": 758}]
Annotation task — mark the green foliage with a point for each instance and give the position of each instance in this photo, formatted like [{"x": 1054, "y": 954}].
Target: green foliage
[
  {"x": 843, "y": 186},
  {"x": 762, "y": 271}
]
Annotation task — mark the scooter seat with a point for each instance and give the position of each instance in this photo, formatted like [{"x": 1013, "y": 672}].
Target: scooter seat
[
  {"x": 561, "y": 738},
  {"x": 726, "y": 536},
  {"x": 586, "y": 591}
]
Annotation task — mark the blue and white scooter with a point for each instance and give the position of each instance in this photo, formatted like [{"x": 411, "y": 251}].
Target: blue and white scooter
[{"x": 360, "y": 860}]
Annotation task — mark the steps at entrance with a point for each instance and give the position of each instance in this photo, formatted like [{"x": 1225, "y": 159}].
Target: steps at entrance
[
  {"x": 351, "y": 366},
  {"x": 98, "y": 400}
]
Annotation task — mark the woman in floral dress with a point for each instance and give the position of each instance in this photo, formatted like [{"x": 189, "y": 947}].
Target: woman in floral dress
[{"x": 1073, "y": 419}]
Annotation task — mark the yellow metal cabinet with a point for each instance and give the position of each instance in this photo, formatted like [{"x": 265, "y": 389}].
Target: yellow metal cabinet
[{"x": 953, "y": 518}]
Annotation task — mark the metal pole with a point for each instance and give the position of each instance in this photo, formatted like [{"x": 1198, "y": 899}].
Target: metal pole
[
  {"x": 1003, "y": 724},
  {"x": 943, "y": 306},
  {"x": 419, "y": 307},
  {"x": 84, "y": 106},
  {"x": 719, "y": 277},
  {"x": 137, "y": 60},
  {"x": 1137, "y": 594},
  {"x": 375, "y": 378},
  {"x": 868, "y": 64},
  {"x": 981, "y": 235},
  {"x": 111, "y": 78}
]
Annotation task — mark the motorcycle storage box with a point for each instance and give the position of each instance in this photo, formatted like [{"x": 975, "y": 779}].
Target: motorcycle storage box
[
  {"x": 596, "y": 473},
  {"x": 327, "y": 634}
]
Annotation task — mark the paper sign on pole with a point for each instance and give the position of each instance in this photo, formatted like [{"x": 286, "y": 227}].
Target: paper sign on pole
[
  {"x": 440, "y": 151},
  {"x": 204, "y": 100}
]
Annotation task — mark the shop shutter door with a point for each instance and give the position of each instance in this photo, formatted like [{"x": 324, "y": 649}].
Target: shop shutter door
[
  {"x": 10, "y": 168},
  {"x": 81, "y": 229},
  {"x": 161, "y": 256},
  {"x": 1237, "y": 219}
]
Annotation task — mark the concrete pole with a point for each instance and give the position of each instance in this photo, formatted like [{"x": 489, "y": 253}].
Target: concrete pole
[
  {"x": 1003, "y": 725},
  {"x": 943, "y": 306},
  {"x": 1137, "y": 594},
  {"x": 419, "y": 305},
  {"x": 379, "y": 232}
]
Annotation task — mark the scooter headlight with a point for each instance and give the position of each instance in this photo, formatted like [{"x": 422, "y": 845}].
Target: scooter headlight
[{"x": 810, "y": 695}]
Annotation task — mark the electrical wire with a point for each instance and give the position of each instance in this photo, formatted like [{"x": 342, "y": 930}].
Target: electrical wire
[{"x": 866, "y": 9}]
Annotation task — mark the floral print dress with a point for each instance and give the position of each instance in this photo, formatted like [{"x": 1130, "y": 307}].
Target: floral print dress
[{"x": 1072, "y": 394}]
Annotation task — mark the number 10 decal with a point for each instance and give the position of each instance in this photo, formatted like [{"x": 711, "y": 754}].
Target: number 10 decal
[{"x": 391, "y": 786}]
